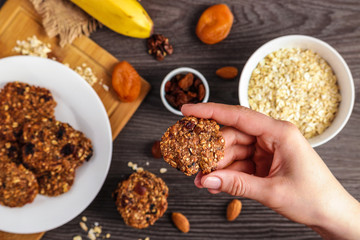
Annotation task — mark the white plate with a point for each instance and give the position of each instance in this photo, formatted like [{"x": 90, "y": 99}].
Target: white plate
[{"x": 79, "y": 105}]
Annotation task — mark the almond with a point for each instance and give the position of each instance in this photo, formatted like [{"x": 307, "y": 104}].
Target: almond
[
  {"x": 233, "y": 210},
  {"x": 227, "y": 72},
  {"x": 181, "y": 222}
]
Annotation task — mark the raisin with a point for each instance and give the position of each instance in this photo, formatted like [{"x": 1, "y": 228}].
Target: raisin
[
  {"x": 46, "y": 98},
  {"x": 67, "y": 149},
  {"x": 186, "y": 81},
  {"x": 18, "y": 134},
  {"x": 140, "y": 189},
  {"x": 60, "y": 133},
  {"x": 201, "y": 92},
  {"x": 90, "y": 155},
  {"x": 125, "y": 201},
  {"x": 20, "y": 90},
  {"x": 190, "y": 125},
  {"x": 29, "y": 148},
  {"x": 153, "y": 209}
]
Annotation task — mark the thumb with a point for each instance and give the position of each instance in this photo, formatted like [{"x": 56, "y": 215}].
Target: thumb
[{"x": 237, "y": 183}]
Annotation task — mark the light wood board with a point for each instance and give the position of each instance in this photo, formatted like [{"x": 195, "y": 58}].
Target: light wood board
[{"x": 19, "y": 21}]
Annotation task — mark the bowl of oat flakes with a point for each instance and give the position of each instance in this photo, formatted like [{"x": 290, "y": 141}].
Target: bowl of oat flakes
[{"x": 302, "y": 80}]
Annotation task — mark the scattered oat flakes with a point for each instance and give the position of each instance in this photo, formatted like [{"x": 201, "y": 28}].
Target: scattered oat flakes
[
  {"x": 94, "y": 233},
  {"x": 77, "y": 237},
  {"x": 84, "y": 226},
  {"x": 147, "y": 163},
  {"x": 296, "y": 85},
  {"x": 163, "y": 170},
  {"x": 87, "y": 73},
  {"x": 32, "y": 46}
]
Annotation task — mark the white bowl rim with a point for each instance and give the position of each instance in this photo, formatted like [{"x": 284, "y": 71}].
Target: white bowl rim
[
  {"x": 243, "y": 96},
  {"x": 174, "y": 72}
]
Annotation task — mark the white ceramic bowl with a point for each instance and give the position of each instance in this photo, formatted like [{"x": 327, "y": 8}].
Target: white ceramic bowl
[
  {"x": 182, "y": 70},
  {"x": 337, "y": 63}
]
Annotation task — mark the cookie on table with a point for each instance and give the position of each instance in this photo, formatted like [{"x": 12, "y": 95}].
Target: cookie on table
[
  {"x": 55, "y": 184},
  {"x": 193, "y": 144},
  {"x": 21, "y": 102},
  {"x": 18, "y": 185},
  {"x": 141, "y": 199},
  {"x": 54, "y": 146}
]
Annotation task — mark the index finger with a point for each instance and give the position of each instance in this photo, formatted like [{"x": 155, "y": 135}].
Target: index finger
[{"x": 241, "y": 118}]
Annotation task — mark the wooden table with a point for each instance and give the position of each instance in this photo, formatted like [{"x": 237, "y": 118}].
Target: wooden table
[{"x": 256, "y": 22}]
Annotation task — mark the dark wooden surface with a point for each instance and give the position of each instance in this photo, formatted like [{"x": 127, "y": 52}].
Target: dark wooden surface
[{"x": 256, "y": 22}]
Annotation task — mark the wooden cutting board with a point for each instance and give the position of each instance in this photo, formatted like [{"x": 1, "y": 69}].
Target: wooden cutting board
[{"x": 19, "y": 21}]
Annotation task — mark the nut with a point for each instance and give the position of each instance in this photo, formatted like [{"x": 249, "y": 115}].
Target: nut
[
  {"x": 180, "y": 221},
  {"x": 227, "y": 72},
  {"x": 233, "y": 209},
  {"x": 159, "y": 46}
]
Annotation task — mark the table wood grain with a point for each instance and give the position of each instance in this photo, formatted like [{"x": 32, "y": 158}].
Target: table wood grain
[{"x": 256, "y": 22}]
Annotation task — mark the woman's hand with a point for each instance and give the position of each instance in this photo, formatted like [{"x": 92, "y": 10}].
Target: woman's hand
[{"x": 270, "y": 161}]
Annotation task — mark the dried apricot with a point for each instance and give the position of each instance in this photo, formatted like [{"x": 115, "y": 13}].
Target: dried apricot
[
  {"x": 227, "y": 72},
  {"x": 126, "y": 81},
  {"x": 214, "y": 24}
]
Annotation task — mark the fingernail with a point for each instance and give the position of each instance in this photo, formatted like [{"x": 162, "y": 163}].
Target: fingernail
[{"x": 212, "y": 183}]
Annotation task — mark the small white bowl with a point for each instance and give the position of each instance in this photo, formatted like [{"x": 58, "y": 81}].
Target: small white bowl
[
  {"x": 337, "y": 63},
  {"x": 182, "y": 70}
]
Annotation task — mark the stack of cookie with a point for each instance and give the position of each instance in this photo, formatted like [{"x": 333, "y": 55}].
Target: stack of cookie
[{"x": 40, "y": 152}]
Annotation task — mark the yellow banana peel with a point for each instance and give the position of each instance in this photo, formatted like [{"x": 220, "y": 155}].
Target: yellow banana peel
[{"x": 126, "y": 17}]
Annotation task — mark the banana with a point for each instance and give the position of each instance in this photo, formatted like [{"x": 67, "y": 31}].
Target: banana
[{"x": 126, "y": 17}]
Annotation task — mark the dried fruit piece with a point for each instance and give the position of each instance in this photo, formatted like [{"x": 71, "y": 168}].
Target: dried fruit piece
[
  {"x": 180, "y": 221},
  {"x": 201, "y": 92},
  {"x": 233, "y": 209},
  {"x": 155, "y": 150},
  {"x": 214, "y": 24},
  {"x": 126, "y": 82},
  {"x": 227, "y": 72},
  {"x": 186, "y": 81}
]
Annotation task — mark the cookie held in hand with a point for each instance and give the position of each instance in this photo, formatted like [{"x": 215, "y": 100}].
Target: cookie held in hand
[{"x": 193, "y": 144}]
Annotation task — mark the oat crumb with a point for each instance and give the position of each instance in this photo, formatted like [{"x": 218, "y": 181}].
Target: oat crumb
[
  {"x": 84, "y": 219},
  {"x": 108, "y": 235},
  {"x": 77, "y": 237},
  {"x": 84, "y": 226},
  {"x": 163, "y": 170}
]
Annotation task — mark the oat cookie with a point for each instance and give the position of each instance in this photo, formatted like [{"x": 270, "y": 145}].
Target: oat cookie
[
  {"x": 141, "y": 199},
  {"x": 20, "y": 102},
  {"x": 53, "y": 146},
  {"x": 193, "y": 144},
  {"x": 55, "y": 184},
  {"x": 18, "y": 185}
]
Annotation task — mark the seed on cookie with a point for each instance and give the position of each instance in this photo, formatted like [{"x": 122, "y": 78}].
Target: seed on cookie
[
  {"x": 141, "y": 199},
  {"x": 193, "y": 144}
]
